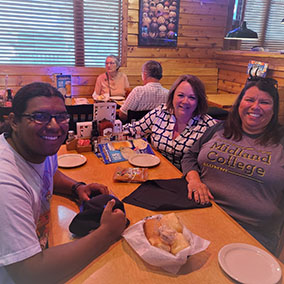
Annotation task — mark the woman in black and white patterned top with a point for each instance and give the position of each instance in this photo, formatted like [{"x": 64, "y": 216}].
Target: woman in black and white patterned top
[{"x": 176, "y": 126}]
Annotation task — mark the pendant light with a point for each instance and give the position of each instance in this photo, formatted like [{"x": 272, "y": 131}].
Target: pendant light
[{"x": 242, "y": 33}]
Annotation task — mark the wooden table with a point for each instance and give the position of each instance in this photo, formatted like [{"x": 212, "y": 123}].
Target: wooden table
[
  {"x": 222, "y": 100},
  {"x": 120, "y": 264}
]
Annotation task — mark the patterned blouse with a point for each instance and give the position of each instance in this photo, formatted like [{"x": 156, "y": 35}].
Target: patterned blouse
[
  {"x": 159, "y": 124},
  {"x": 145, "y": 97}
]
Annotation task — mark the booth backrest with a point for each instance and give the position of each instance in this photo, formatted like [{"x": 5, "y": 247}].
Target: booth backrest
[
  {"x": 84, "y": 78},
  {"x": 136, "y": 115},
  {"x": 79, "y": 113}
]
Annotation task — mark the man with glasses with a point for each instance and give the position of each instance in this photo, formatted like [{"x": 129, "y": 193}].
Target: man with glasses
[{"x": 28, "y": 177}]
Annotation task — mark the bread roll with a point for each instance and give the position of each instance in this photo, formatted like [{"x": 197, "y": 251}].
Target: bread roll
[
  {"x": 179, "y": 243},
  {"x": 172, "y": 221},
  {"x": 166, "y": 233},
  {"x": 151, "y": 229}
]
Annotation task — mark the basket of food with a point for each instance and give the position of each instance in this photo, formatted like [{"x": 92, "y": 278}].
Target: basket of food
[{"x": 163, "y": 241}]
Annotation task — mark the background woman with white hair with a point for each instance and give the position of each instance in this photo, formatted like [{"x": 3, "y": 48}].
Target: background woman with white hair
[{"x": 112, "y": 82}]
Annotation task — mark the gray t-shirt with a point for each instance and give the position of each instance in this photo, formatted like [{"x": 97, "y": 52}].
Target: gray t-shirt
[{"x": 246, "y": 180}]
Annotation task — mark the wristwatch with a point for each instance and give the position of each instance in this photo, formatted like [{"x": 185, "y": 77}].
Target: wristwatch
[{"x": 75, "y": 186}]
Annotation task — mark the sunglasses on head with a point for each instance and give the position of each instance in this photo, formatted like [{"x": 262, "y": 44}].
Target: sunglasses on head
[{"x": 269, "y": 81}]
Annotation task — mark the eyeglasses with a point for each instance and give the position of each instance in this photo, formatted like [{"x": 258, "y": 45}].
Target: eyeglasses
[
  {"x": 45, "y": 118},
  {"x": 269, "y": 81}
]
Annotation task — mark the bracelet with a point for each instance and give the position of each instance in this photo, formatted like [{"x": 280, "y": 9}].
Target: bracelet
[{"x": 75, "y": 186}]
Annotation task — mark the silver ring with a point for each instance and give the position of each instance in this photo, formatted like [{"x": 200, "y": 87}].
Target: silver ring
[{"x": 194, "y": 190}]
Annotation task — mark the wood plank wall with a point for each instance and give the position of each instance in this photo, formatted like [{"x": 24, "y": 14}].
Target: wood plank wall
[
  {"x": 83, "y": 79},
  {"x": 232, "y": 71},
  {"x": 201, "y": 30}
]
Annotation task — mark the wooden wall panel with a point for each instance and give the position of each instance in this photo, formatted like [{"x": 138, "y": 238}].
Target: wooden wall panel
[
  {"x": 83, "y": 79},
  {"x": 133, "y": 4},
  {"x": 213, "y": 9},
  {"x": 232, "y": 71},
  {"x": 174, "y": 62},
  {"x": 170, "y": 74},
  {"x": 200, "y": 20},
  {"x": 159, "y": 53},
  {"x": 201, "y": 31}
]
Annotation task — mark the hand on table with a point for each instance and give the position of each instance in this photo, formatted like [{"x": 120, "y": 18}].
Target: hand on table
[{"x": 196, "y": 189}]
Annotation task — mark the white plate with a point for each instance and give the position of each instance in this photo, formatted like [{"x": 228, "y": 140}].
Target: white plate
[
  {"x": 144, "y": 160},
  {"x": 249, "y": 264},
  {"x": 117, "y": 98},
  {"x": 71, "y": 160}
]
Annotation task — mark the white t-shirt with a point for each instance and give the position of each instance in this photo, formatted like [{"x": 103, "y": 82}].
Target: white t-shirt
[{"x": 25, "y": 191}]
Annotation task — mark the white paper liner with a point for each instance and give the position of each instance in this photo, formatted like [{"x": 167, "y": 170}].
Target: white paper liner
[{"x": 136, "y": 238}]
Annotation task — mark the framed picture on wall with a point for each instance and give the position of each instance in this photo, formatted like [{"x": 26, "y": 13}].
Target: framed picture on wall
[{"x": 158, "y": 22}]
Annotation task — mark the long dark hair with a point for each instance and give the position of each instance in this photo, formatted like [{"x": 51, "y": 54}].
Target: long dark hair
[
  {"x": 233, "y": 124},
  {"x": 199, "y": 90}
]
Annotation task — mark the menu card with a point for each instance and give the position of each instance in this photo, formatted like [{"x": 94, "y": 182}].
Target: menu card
[
  {"x": 63, "y": 83},
  {"x": 119, "y": 151}
]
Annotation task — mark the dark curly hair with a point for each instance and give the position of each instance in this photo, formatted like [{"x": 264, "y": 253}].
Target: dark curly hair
[{"x": 273, "y": 131}]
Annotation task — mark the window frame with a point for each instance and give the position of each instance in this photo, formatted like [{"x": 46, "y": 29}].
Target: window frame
[
  {"x": 78, "y": 41},
  {"x": 265, "y": 30}
]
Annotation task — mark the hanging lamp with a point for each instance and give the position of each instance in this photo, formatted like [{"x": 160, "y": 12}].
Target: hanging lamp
[{"x": 242, "y": 33}]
